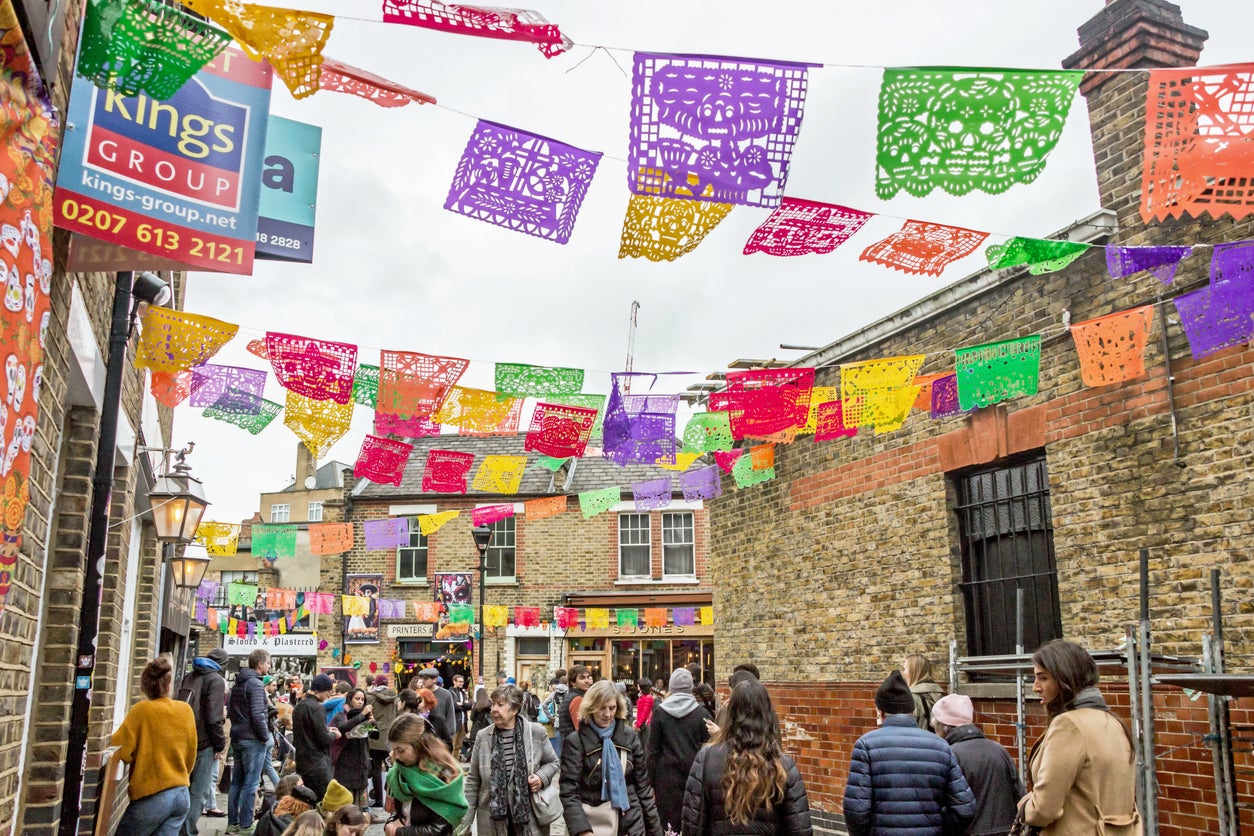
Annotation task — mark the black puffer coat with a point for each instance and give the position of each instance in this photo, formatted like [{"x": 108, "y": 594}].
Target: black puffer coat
[
  {"x": 705, "y": 815},
  {"x": 581, "y": 781},
  {"x": 673, "y": 744}
]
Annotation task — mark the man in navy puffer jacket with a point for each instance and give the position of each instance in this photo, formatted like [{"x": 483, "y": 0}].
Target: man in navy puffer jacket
[{"x": 904, "y": 780}]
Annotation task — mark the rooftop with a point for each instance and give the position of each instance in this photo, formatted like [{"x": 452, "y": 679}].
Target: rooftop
[{"x": 326, "y": 477}]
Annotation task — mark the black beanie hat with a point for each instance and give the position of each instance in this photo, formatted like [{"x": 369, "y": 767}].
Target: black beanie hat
[{"x": 893, "y": 695}]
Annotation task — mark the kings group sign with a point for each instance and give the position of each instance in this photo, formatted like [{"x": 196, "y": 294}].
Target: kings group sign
[{"x": 180, "y": 179}]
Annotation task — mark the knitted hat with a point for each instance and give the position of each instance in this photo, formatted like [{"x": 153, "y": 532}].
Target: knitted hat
[
  {"x": 893, "y": 696},
  {"x": 322, "y": 682},
  {"x": 266, "y": 680},
  {"x": 337, "y": 796},
  {"x": 218, "y": 655},
  {"x": 954, "y": 710},
  {"x": 380, "y": 680},
  {"x": 681, "y": 681}
]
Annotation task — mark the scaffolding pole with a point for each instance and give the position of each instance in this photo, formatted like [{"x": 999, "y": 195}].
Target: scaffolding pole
[
  {"x": 1134, "y": 704},
  {"x": 1150, "y": 812},
  {"x": 1021, "y": 727},
  {"x": 1221, "y": 720}
]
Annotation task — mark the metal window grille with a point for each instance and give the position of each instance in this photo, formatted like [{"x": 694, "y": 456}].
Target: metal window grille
[{"x": 1005, "y": 525}]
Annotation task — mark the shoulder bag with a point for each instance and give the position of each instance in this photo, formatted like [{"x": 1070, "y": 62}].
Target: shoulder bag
[{"x": 546, "y": 803}]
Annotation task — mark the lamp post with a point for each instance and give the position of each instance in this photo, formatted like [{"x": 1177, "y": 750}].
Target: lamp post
[
  {"x": 483, "y": 536},
  {"x": 128, "y": 292},
  {"x": 188, "y": 570}
]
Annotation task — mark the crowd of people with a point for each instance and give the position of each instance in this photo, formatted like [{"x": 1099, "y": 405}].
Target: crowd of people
[{"x": 436, "y": 761}]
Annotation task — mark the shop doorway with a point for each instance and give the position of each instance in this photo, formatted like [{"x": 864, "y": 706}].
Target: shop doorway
[{"x": 595, "y": 661}]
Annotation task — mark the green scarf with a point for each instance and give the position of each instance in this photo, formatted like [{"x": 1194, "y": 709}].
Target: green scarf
[{"x": 448, "y": 801}]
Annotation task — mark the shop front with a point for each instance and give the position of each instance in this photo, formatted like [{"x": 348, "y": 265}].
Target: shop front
[
  {"x": 628, "y": 653},
  {"x": 418, "y": 647},
  {"x": 290, "y": 654}
]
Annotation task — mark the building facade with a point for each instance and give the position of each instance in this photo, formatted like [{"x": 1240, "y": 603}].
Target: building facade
[
  {"x": 884, "y": 545},
  {"x": 621, "y": 558}
]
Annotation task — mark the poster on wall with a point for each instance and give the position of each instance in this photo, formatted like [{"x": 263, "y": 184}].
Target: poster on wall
[
  {"x": 452, "y": 588},
  {"x": 169, "y": 184},
  {"x": 29, "y": 132},
  {"x": 289, "y": 191},
  {"x": 363, "y": 627}
]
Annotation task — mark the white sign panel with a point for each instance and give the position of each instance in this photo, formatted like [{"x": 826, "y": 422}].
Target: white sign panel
[
  {"x": 411, "y": 631},
  {"x": 293, "y": 644}
]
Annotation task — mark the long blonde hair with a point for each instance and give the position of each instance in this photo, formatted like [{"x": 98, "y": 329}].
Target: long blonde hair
[
  {"x": 916, "y": 668},
  {"x": 598, "y": 695},
  {"x": 308, "y": 823},
  {"x": 433, "y": 755}
]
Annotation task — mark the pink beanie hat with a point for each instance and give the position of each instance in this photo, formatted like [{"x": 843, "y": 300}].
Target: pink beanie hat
[{"x": 954, "y": 710}]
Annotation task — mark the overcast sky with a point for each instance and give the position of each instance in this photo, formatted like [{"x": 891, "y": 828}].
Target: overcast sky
[{"x": 392, "y": 269}]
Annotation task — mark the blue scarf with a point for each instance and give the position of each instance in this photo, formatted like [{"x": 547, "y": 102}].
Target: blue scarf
[{"x": 613, "y": 783}]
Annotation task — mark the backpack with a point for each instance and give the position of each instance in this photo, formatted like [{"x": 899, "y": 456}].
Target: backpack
[{"x": 191, "y": 691}]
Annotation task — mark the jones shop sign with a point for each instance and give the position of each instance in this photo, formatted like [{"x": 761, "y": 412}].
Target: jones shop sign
[{"x": 178, "y": 180}]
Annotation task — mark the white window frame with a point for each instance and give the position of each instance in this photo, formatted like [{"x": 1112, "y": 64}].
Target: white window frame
[
  {"x": 315, "y": 507},
  {"x": 502, "y": 530},
  {"x": 283, "y": 509},
  {"x": 423, "y": 545},
  {"x": 646, "y": 542},
  {"x": 669, "y": 541}
]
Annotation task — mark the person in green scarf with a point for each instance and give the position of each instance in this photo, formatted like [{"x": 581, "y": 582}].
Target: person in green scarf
[{"x": 424, "y": 785}]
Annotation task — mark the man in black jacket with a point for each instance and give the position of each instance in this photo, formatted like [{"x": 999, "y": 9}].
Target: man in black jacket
[
  {"x": 987, "y": 766},
  {"x": 204, "y": 689},
  {"x": 442, "y": 719},
  {"x": 250, "y": 737},
  {"x": 312, "y": 736}
]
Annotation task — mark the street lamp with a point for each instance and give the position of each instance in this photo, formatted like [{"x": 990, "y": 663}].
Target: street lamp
[
  {"x": 178, "y": 501},
  {"x": 188, "y": 570},
  {"x": 483, "y": 536}
]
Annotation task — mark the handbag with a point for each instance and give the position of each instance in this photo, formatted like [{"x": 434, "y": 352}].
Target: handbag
[
  {"x": 602, "y": 819},
  {"x": 546, "y": 804},
  {"x": 1021, "y": 827},
  {"x": 542, "y": 717}
]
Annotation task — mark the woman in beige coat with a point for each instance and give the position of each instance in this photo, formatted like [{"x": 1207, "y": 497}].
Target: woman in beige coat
[{"x": 1083, "y": 769}]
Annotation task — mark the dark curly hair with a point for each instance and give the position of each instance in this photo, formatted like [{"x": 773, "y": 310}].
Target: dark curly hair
[{"x": 754, "y": 778}]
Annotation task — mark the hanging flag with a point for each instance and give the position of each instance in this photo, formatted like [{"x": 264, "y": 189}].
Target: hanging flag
[
  {"x": 170, "y": 388},
  {"x": 317, "y": 423},
  {"x": 479, "y": 21},
  {"x": 233, "y": 408},
  {"x": 706, "y": 432},
  {"x": 583, "y": 400},
  {"x": 655, "y": 617},
  {"x": 638, "y": 428},
  {"x": 354, "y": 605},
  {"x": 413, "y": 385},
  {"x": 1199, "y": 152},
  {"x": 624, "y": 617},
  {"x": 522, "y": 181},
  {"x": 655, "y": 493},
  {"x": 507, "y": 424},
  {"x": 527, "y": 616},
  {"x": 144, "y": 46},
  {"x": 1039, "y": 255},
  {"x": 274, "y": 541},
  {"x": 559, "y": 431},
  {"x": 280, "y": 599},
  {"x": 210, "y": 383},
  {"x": 171, "y": 341},
  {"x": 338, "y": 77},
  {"x": 714, "y": 129},
  {"x": 804, "y": 227},
  {"x": 820, "y": 395},
  {"x": 765, "y": 401},
  {"x": 521, "y": 380},
  {"x": 873, "y": 392},
  {"x": 330, "y": 538},
  {"x": 474, "y": 409},
  {"x": 565, "y": 617},
  {"x": 461, "y": 614},
  {"x": 665, "y": 228},
  {"x": 388, "y": 533},
  {"x": 488, "y": 514},
  {"x": 830, "y": 422},
  {"x": 240, "y": 594},
  {"x": 762, "y": 457},
  {"x": 726, "y": 459},
  {"x": 412, "y": 427},
  {"x": 1112, "y": 347},
  {"x": 922, "y": 248},
  {"x": 702, "y": 483},
  {"x": 945, "y": 397},
  {"x": 446, "y": 471},
  {"x": 539, "y": 509},
  {"x": 924, "y": 381},
  {"x": 427, "y": 612},
  {"x": 995, "y": 372},
  {"x": 495, "y": 615},
  {"x": 592, "y": 503},
  {"x": 207, "y": 589},
  {"x": 316, "y": 369},
  {"x": 322, "y": 603},
  {"x": 366, "y": 385},
  {"x": 598, "y": 618},
  {"x": 960, "y": 130},
  {"x": 1162, "y": 262},
  {"x": 429, "y": 524},
  {"x": 257, "y": 348},
  {"x": 682, "y": 462},
  {"x": 707, "y": 615},
  {"x": 219, "y": 539},
  {"x": 500, "y": 474},
  {"x": 382, "y": 460},
  {"x": 1217, "y": 316},
  {"x": 290, "y": 40},
  {"x": 684, "y": 616}
]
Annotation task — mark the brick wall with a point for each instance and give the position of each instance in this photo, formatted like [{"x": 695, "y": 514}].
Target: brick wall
[{"x": 820, "y": 722}]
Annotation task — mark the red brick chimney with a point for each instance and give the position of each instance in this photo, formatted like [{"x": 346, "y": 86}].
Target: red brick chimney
[{"x": 1127, "y": 34}]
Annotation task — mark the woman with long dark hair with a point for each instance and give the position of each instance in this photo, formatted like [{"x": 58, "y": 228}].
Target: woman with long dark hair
[
  {"x": 743, "y": 782},
  {"x": 1083, "y": 769},
  {"x": 352, "y": 761},
  {"x": 424, "y": 786},
  {"x": 480, "y": 718}
]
